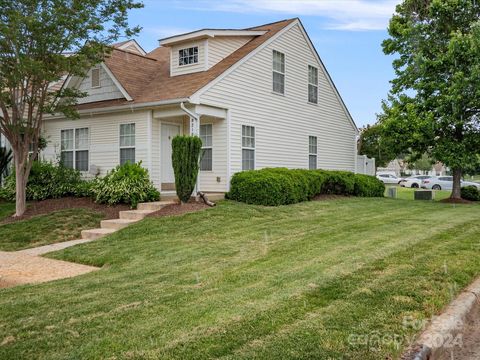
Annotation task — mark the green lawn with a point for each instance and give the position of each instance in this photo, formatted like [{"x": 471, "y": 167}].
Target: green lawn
[
  {"x": 407, "y": 193},
  {"x": 47, "y": 229},
  {"x": 311, "y": 280},
  {"x": 6, "y": 209}
]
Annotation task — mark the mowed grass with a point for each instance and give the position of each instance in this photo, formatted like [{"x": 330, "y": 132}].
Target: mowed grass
[
  {"x": 408, "y": 193},
  {"x": 317, "y": 280},
  {"x": 6, "y": 209},
  {"x": 41, "y": 230}
]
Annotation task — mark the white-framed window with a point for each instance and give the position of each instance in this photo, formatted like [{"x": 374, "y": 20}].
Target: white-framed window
[
  {"x": 248, "y": 147},
  {"x": 74, "y": 148},
  {"x": 206, "y": 162},
  {"x": 127, "y": 143},
  {"x": 312, "y": 84},
  {"x": 278, "y": 68},
  {"x": 95, "y": 77},
  {"x": 188, "y": 56},
  {"x": 312, "y": 152}
]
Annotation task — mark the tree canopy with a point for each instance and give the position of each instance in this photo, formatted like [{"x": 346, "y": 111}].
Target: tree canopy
[
  {"x": 373, "y": 144},
  {"x": 434, "y": 103},
  {"x": 41, "y": 43}
]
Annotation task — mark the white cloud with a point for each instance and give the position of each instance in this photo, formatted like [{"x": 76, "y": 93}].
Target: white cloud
[
  {"x": 350, "y": 15},
  {"x": 166, "y": 31}
]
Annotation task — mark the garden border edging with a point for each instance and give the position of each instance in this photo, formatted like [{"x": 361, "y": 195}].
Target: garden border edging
[{"x": 446, "y": 325}]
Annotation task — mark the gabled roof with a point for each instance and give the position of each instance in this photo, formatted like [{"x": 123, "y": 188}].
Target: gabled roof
[{"x": 147, "y": 78}]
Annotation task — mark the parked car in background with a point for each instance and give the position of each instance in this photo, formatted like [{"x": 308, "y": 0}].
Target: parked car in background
[
  {"x": 389, "y": 178},
  {"x": 445, "y": 183},
  {"x": 414, "y": 181}
]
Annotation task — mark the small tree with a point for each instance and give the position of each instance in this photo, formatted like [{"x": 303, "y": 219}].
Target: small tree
[
  {"x": 434, "y": 102},
  {"x": 41, "y": 43},
  {"x": 373, "y": 144},
  {"x": 185, "y": 161}
]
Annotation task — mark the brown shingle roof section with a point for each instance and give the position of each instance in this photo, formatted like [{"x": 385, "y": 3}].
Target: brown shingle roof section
[{"x": 147, "y": 78}]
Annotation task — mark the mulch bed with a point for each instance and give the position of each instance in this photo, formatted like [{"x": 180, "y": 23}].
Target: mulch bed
[
  {"x": 178, "y": 209},
  {"x": 456, "y": 201},
  {"x": 35, "y": 208}
]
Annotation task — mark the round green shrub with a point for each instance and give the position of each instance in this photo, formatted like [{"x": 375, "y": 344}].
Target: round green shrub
[
  {"x": 368, "y": 186},
  {"x": 127, "y": 184},
  {"x": 470, "y": 193}
]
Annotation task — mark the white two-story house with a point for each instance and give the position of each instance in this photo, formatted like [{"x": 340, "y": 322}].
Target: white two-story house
[{"x": 257, "y": 97}]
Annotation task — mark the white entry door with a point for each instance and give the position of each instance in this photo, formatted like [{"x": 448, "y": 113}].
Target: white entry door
[{"x": 169, "y": 131}]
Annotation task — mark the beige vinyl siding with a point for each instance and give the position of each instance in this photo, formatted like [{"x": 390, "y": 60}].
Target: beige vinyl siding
[
  {"x": 222, "y": 46},
  {"x": 175, "y": 69},
  {"x": 107, "y": 90},
  {"x": 104, "y": 133},
  {"x": 283, "y": 123}
]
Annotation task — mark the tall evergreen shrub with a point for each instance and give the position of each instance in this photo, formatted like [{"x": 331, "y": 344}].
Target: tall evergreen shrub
[{"x": 185, "y": 161}]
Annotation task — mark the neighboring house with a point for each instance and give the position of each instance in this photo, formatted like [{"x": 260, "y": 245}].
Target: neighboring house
[
  {"x": 258, "y": 97},
  {"x": 399, "y": 167}
]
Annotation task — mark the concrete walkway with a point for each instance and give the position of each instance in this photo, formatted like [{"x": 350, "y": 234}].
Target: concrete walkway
[{"x": 18, "y": 268}]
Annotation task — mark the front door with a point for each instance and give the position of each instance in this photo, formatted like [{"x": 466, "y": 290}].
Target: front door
[{"x": 169, "y": 131}]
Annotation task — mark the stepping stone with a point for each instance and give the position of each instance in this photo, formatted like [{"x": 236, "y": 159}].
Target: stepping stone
[
  {"x": 116, "y": 224},
  {"x": 134, "y": 214},
  {"x": 96, "y": 233}
]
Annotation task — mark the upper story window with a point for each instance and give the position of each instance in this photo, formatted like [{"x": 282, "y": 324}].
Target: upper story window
[
  {"x": 188, "y": 56},
  {"x": 95, "y": 77},
  {"x": 206, "y": 136},
  {"x": 312, "y": 84},
  {"x": 278, "y": 72}
]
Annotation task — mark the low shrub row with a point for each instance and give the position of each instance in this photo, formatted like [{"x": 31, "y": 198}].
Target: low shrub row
[
  {"x": 281, "y": 186},
  {"x": 127, "y": 184},
  {"x": 470, "y": 193}
]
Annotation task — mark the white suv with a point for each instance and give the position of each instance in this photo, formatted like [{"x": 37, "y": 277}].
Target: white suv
[{"x": 445, "y": 183}]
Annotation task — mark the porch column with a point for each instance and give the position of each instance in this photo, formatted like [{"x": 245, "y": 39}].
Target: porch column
[{"x": 194, "y": 126}]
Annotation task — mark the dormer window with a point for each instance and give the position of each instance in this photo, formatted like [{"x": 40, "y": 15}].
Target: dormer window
[
  {"x": 188, "y": 56},
  {"x": 95, "y": 77}
]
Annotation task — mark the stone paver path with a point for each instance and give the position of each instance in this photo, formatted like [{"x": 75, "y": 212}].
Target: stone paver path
[{"x": 17, "y": 268}]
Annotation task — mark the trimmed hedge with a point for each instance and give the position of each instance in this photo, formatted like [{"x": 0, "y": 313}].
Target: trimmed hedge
[
  {"x": 48, "y": 181},
  {"x": 470, "y": 193},
  {"x": 281, "y": 186},
  {"x": 185, "y": 154}
]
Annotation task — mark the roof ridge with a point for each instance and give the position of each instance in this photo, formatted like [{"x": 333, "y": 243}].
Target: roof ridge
[
  {"x": 132, "y": 53},
  {"x": 272, "y": 23}
]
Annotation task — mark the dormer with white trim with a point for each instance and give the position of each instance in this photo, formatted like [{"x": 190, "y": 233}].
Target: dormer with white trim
[{"x": 200, "y": 50}]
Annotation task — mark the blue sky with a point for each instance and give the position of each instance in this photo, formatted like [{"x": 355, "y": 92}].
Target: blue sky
[{"x": 346, "y": 33}]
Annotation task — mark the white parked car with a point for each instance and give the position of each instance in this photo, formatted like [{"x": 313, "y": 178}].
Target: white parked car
[
  {"x": 414, "y": 181},
  {"x": 445, "y": 183},
  {"x": 389, "y": 178}
]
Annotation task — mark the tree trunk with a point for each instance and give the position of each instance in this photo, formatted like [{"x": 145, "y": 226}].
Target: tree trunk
[
  {"x": 20, "y": 187},
  {"x": 457, "y": 176}
]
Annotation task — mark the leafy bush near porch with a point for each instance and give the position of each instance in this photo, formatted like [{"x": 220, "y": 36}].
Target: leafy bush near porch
[
  {"x": 127, "y": 184},
  {"x": 185, "y": 158},
  {"x": 281, "y": 186},
  {"x": 48, "y": 181},
  {"x": 470, "y": 193}
]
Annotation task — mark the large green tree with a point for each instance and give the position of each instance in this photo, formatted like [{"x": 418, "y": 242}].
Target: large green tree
[
  {"x": 41, "y": 43},
  {"x": 374, "y": 144},
  {"x": 434, "y": 103}
]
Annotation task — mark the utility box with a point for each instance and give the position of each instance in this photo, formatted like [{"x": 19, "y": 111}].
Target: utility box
[
  {"x": 392, "y": 192},
  {"x": 424, "y": 195}
]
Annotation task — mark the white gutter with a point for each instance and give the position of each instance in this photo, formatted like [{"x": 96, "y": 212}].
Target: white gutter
[
  {"x": 131, "y": 107},
  {"x": 190, "y": 113}
]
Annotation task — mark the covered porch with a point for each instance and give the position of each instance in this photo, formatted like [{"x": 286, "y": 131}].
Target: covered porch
[{"x": 207, "y": 122}]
